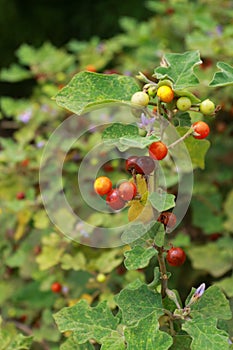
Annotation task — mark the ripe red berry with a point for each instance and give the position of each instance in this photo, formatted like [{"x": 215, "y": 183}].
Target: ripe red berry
[
  {"x": 144, "y": 165},
  {"x": 168, "y": 219},
  {"x": 201, "y": 130},
  {"x": 158, "y": 150},
  {"x": 20, "y": 195},
  {"x": 102, "y": 185},
  {"x": 114, "y": 200},
  {"x": 130, "y": 163},
  {"x": 25, "y": 162},
  {"x": 127, "y": 190},
  {"x": 56, "y": 287},
  {"x": 176, "y": 256}
]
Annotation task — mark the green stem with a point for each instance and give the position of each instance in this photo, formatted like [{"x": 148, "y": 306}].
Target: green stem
[
  {"x": 163, "y": 271},
  {"x": 188, "y": 133}
]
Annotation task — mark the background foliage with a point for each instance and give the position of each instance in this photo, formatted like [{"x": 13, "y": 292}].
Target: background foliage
[{"x": 33, "y": 253}]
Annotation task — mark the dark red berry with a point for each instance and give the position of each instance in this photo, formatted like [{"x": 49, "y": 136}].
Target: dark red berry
[
  {"x": 114, "y": 200},
  {"x": 176, "y": 256},
  {"x": 127, "y": 190},
  {"x": 130, "y": 163},
  {"x": 144, "y": 165},
  {"x": 168, "y": 219},
  {"x": 56, "y": 287}
]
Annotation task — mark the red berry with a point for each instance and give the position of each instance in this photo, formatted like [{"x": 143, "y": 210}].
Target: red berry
[
  {"x": 176, "y": 256},
  {"x": 168, "y": 219},
  {"x": 144, "y": 165},
  {"x": 158, "y": 150},
  {"x": 56, "y": 287},
  {"x": 130, "y": 163},
  {"x": 127, "y": 190},
  {"x": 20, "y": 195},
  {"x": 91, "y": 68},
  {"x": 114, "y": 200},
  {"x": 201, "y": 130},
  {"x": 102, "y": 185},
  {"x": 25, "y": 162}
]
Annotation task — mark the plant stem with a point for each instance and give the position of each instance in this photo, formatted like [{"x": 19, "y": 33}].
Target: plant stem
[
  {"x": 188, "y": 133},
  {"x": 163, "y": 271}
]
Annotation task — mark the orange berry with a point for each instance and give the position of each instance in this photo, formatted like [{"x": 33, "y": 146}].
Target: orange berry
[
  {"x": 91, "y": 68},
  {"x": 102, "y": 185},
  {"x": 165, "y": 93}
]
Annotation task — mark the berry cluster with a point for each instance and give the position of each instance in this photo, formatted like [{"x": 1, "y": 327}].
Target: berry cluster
[
  {"x": 115, "y": 198},
  {"x": 166, "y": 94}
]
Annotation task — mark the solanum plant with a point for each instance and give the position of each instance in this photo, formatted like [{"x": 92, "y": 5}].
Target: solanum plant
[{"x": 149, "y": 316}]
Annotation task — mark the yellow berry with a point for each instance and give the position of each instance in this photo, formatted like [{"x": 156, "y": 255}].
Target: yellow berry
[
  {"x": 100, "y": 278},
  {"x": 165, "y": 93}
]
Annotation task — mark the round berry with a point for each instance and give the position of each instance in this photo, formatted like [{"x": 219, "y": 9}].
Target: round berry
[
  {"x": 140, "y": 98},
  {"x": 165, "y": 93},
  {"x": 144, "y": 165},
  {"x": 207, "y": 107},
  {"x": 201, "y": 130},
  {"x": 127, "y": 190},
  {"x": 100, "y": 278},
  {"x": 20, "y": 195},
  {"x": 114, "y": 200},
  {"x": 152, "y": 91},
  {"x": 102, "y": 185},
  {"x": 183, "y": 103},
  {"x": 91, "y": 68},
  {"x": 176, "y": 256},
  {"x": 130, "y": 163},
  {"x": 158, "y": 150},
  {"x": 56, "y": 287},
  {"x": 168, "y": 219}
]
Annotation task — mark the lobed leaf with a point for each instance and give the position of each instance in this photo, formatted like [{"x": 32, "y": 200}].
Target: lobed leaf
[
  {"x": 89, "y": 90},
  {"x": 138, "y": 257},
  {"x": 224, "y": 77},
  {"x": 179, "y": 69}
]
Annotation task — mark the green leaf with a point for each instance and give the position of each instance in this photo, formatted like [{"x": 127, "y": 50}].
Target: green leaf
[
  {"x": 89, "y": 90},
  {"x": 181, "y": 342},
  {"x": 228, "y": 205},
  {"x": 134, "y": 233},
  {"x": 224, "y": 77},
  {"x": 86, "y": 322},
  {"x": 179, "y": 69},
  {"x": 10, "y": 340},
  {"x": 138, "y": 257},
  {"x": 146, "y": 335},
  {"x": 226, "y": 285},
  {"x": 207, "y": 212},
  {"x": 115, "y": 341},
  {"x": 197, "y": 149},
  {"x": 162, "y": 201},
  {"x": 70, "y": 344},
  {"x": 214, "y": 257},
  {"x": 182, "y": 119},
  {"x": 107, "y": 261},
  {"x": 14, "y": 74},
  {"x": 126, "y": 136},
  {"x": 139, "y": 303},
  {"x": 76, "y": 262},
  {"x": 205, "y": 335}
]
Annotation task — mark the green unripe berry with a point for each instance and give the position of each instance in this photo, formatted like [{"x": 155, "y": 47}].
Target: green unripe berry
[
  {"x": 152, "y": 91},
  {"x": 183, "y": 103},
  {"x": 100, "y": 278},
  {"x": 207, "y": 107},
  {"x": 140, "y": 98}
]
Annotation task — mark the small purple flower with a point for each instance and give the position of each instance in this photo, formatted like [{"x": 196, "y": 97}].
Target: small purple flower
[
  {"x": 45, "y": 108},
  {"x": 40, "y": 144},
  {"x": 199, "y": 291},
  {"x": 128, "y": 73},
  {"x": 146, "y": 123},
  {"x": 219, "y": 30},
  {"x": 25, "y": 116}
]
